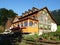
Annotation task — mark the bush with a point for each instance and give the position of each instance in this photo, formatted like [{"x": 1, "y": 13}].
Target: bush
[
  {"x": 51, "y": 36},
  {"x": 31, "y": 37}
]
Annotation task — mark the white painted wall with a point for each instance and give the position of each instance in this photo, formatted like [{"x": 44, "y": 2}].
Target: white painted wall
[{"x": 53, "y": 27}]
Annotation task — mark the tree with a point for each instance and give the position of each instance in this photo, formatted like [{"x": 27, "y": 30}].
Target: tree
[
  {"x": 56, "y": 15},
  {"x": 5, "y": 14}
]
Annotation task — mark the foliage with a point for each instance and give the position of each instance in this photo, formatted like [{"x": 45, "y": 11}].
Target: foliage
[
  {"x": 28, "y": 39},
  {"x": 31, "y": 37},
  {"x": 58, "y": 28},
  {"x": 56, "y": 16},
  {"x": 51, "y": 36},
  {"x": 5, "y": 14}
]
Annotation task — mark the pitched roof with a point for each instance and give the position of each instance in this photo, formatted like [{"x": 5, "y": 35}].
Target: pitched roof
[{"x": 33, "y": 11}]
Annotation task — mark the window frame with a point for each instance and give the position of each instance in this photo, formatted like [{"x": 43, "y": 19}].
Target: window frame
[
  {"x": 30, "y": 23},
  {"x": 25, "y": 23}
]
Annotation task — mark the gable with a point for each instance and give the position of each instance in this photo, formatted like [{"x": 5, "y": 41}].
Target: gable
[
  {"x": 45, "y": 16},
  {"x": 15, "y": 20}
]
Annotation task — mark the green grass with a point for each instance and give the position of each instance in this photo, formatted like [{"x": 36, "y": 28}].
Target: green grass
[
  {"x": 52, "y": 35},
  {"x": 31, "y": 37},
  {"x": 58, "y": 28}
]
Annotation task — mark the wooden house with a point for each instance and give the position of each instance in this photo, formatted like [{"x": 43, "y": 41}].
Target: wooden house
[{"x": 35, "y": 21}]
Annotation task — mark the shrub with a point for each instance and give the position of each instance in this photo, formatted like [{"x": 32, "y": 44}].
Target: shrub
[
  {"x": 51, "y": 36},
  {"x": 31, "y": 37}
]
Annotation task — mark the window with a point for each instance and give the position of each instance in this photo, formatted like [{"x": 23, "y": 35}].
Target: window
[
  {"x": 49, "y": 21},
  {"x": 34, "y": 17},
  {"x": 40, "y": 18},
  {"x": 40, "y": 25},
  {"x": 45, "y": 27},
  {"x": 49, "y": 27},
  {"x": 44, "y": 13},
  {"x": 30, "y": 23},
  {"x": 25, "y": 23},
  {"x": 21, "y": 24},
  {"x": 35, "y": 23},
  {"x": 46, "y": 19}
]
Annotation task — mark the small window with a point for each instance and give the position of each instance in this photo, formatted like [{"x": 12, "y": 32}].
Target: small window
[
  {"x": 30, "y": 23},
  {"x": 18, "y": 25},
  {"x": 35, "y": 23},
  {"x": 25, "y": 23},
  {"x": 49, "y": 21},
  {"x": 40, "y": 18},
  {"x": 44, "y": 12},
  {"x": 40, "y": 26},
  {"x": 34, "y": 17},
  {"x": 21, "y": 24},
  {"x": 49, "y": 27}
]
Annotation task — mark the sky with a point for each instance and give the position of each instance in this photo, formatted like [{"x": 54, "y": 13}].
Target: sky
[{"x": 20, "y": 6}]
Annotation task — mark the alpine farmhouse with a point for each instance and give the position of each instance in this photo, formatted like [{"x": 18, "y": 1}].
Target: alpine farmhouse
[{"x": 34, "y": 21}]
